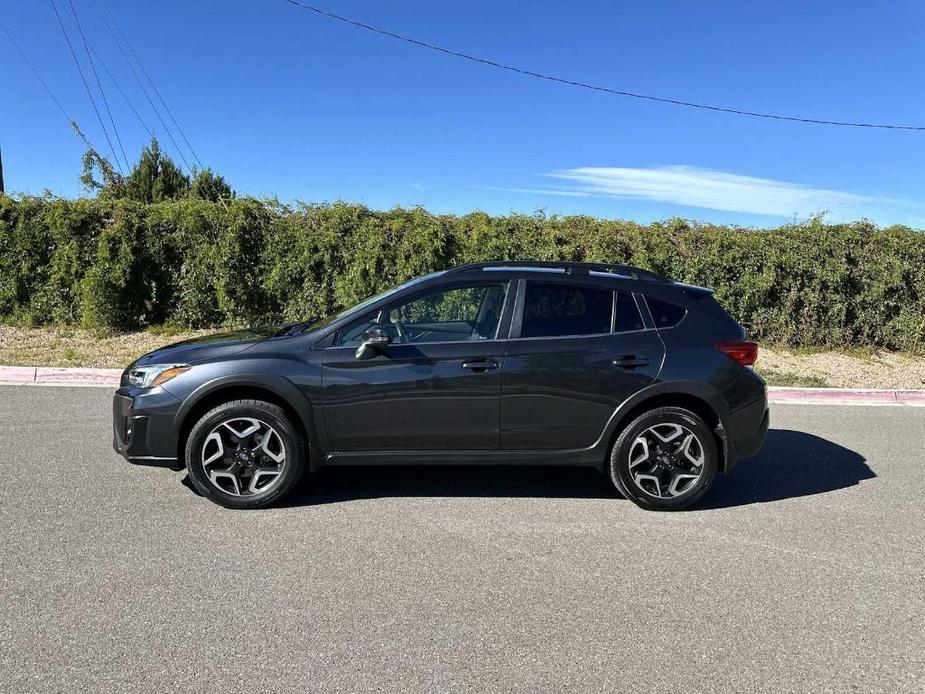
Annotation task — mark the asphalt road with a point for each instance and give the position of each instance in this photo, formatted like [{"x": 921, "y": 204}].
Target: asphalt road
[{"x": 801, "y": 571}]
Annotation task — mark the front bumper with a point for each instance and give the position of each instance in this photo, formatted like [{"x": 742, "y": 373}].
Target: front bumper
[{"x": 143, "y": 427}]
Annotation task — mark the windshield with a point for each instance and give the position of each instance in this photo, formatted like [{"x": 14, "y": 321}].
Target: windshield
[{"x": 368, "y": 302}]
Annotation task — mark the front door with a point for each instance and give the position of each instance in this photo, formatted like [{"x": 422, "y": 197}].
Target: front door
[{"x": 436, "y": 386}]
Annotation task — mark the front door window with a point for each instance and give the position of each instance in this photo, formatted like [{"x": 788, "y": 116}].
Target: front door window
[{"x": 452, "y": 314}]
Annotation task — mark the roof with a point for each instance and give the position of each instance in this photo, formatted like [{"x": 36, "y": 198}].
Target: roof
[{"x": 568, "y": 267}]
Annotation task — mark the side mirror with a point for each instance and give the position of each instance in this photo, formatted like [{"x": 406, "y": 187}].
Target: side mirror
[{"x": 374, "y": 341}]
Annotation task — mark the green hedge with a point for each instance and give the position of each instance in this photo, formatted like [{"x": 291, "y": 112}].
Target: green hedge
[{"x": 119, "y": 265}]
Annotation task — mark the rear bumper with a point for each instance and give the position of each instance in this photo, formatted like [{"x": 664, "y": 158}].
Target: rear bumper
[
  {"x": 745, "y": 431},
  {"x": 143, "y": 427}
]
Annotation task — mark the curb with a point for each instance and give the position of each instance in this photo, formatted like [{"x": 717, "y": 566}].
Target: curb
[
  {"x": 55, "y": 376},
  {"x": 845, "y": 396},
  {"x": 109, "y": 378}
]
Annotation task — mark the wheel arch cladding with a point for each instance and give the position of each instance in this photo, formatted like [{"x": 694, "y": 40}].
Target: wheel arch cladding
[
  {"x": 696, "y": 403},
  {"x": 284, "y": 395}
]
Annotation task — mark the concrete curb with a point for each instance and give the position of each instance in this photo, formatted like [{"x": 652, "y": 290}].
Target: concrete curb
[
  {"x": 51, "y": 376},
  {"x": 109, "y": 378},
  {"x": 845, "y": 396}
]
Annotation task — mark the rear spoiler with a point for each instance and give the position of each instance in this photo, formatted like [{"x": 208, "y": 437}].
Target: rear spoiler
[{"x": 694, "y": 291}]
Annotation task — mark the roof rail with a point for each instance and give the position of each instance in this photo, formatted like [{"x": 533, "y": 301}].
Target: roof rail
[{"x": 567, "y": 266}]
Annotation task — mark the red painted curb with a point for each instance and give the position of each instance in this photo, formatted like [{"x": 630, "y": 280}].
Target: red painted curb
[
  {"x": 916, "y": 396},
  {"x": 831, "y": 395},
  {"x": 24, "y": 374},
  {"x": 44, "y": 374}
]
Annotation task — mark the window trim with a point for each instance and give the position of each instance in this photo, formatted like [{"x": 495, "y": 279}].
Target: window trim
[
  {"x": 643, "y": 306},
  {"x": 506, "y": 309}
]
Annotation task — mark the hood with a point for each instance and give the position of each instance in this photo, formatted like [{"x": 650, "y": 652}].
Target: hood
[{"x": 212, "y": 346}]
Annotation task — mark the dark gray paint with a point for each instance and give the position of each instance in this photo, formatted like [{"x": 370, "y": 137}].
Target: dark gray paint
[{"x": 558, "y": 400}]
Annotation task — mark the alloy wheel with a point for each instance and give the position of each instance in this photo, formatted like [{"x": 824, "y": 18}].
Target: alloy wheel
[
  {"x": 243, "y": 456},
  {"x": 666, "y": 460}
]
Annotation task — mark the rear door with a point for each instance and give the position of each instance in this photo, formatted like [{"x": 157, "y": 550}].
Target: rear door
[
  {"x": 577, "y": 350},
  {"x": 436, "y": 386}
]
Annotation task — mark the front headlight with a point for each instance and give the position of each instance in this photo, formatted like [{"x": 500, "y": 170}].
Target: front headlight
[{"x": 155, "y": 374}]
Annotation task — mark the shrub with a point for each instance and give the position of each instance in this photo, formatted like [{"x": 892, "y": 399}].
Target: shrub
[{"x": 118, "y": 264}]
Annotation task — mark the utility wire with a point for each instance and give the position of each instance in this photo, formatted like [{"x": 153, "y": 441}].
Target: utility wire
[
  {"x": 36, "y": 73},
  {"x": 42, "y": 81},
  {"x": 597, "y": 88},
  {"x": 103, "y": 10},
  {"x": 99, "y": 84},
  {"x": 153, "y": 85},
  {"x": 122, "y": 92},
  {"x": 86, "y": 86},
  {"x": 144, "y": 90}
]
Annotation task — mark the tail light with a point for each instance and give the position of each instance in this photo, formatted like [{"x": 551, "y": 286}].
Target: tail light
[{"x": 742, "y": 351}]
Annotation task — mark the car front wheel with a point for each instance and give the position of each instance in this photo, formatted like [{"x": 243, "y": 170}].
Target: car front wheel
[
  {"x": 665, "y": 460},
  {"x": 244, "y": 454}
]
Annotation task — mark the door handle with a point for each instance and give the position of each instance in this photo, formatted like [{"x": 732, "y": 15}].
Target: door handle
[
  {"x": 480, "y": 365},
  {"x": 630, "y": 361}
]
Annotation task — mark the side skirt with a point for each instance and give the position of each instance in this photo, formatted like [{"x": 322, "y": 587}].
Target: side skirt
[{"x": 582, "y": 457}]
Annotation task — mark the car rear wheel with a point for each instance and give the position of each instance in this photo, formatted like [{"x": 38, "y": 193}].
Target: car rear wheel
[
  {"x": 245, "y": 454},
  {"x": 665, "y": 460}
]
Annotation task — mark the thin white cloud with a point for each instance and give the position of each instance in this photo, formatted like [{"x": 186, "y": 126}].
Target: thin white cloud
[
  {"x": 719, "y": 190},
  {"x": 541, "y": 191}
]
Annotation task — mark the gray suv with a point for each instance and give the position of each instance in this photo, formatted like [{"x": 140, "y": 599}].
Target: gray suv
[{"x": 546, "y": 363}]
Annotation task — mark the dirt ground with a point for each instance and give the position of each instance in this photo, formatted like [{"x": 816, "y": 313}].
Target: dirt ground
[
  {"x": 835, "y": 369},
  {"x": 779, "y": 365},
  {"x": 74, "y": 347}
]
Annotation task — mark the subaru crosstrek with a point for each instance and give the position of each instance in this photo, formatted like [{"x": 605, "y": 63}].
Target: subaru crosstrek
[{"x": 647, "y": 379}]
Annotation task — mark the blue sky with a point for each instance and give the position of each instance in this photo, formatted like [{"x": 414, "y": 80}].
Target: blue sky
[{"x": 288, "y": 104}]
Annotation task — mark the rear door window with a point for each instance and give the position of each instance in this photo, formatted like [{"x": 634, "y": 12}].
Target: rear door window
[
  {"x": 627, "y": 317},
  {"x": 552, "y": 310}
]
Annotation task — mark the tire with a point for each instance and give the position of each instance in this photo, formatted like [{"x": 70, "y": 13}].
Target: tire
[
  {"x": 663, "y": 474},
  {"x": 251, "y": 470}
]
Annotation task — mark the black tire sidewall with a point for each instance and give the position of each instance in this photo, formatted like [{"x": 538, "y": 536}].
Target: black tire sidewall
[
  {"x": 272, "y": 415},
  {"x": 619, "y": 458}
]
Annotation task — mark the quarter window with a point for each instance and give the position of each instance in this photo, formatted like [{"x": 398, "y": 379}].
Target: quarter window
[
  {"x": 664, "y": 314},
  {"x": 561, "y": 309}
]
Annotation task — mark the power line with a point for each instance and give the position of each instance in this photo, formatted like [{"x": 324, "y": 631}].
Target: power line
[
  {"x": 86, "y": 86},
  {"x": 597, "y": 88},
  {"x": 153, "y": 86},
  {"x": 44, "y": 84},
  {"x": 102, "y": 12},
  {"x": 99, "y": 84},
  {"x": 122, "y": 92},
  {"x": 36, "y": 72}
]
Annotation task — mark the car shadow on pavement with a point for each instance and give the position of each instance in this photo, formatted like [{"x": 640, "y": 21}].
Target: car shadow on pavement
[
  {"x": 791, "y": 464},
  {"x": 331, "y": 485}
]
